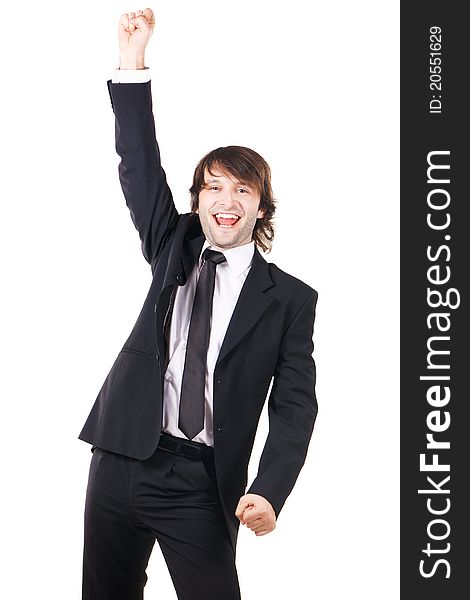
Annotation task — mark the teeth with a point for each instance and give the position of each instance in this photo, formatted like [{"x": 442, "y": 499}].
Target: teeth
[{"x": 227, "y": 215}]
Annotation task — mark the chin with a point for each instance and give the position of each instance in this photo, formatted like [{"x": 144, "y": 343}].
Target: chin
[
  {"x": 221, "y": 240},
  {"x": 225, "y": 244}
]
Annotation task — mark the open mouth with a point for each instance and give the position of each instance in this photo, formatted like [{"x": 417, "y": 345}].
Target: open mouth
[{"x": 226, "y": 219}]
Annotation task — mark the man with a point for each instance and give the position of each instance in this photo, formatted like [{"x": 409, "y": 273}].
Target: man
[{"x": 173, "y": 425}]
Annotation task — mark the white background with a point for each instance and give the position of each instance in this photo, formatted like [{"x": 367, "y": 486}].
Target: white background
[{"x": 313, "y": 87}]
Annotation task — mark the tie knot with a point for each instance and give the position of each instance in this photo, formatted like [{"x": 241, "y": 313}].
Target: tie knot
[{"x": 214, "y": 256}]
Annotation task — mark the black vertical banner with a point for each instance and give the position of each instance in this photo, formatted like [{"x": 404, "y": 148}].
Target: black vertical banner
[{"x": 435, "y": 297}]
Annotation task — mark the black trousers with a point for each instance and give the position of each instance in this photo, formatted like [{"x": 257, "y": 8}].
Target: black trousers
[{"x": 168, "y": 498}]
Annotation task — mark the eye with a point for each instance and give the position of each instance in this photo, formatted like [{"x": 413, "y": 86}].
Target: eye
[
  {"x": 243, "y": 190},
  {"x": 213, "y": 187}
]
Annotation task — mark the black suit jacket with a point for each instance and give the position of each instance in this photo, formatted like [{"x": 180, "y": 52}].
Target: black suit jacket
[{"x": 269, "y": 338}]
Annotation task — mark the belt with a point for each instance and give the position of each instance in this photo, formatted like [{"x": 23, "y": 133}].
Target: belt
[{"x": 183, "y": 447}]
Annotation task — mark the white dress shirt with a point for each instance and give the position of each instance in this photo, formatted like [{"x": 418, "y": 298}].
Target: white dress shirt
[
  {"x": 229, "y": 279},
  {"x": 131, "y": 75}
]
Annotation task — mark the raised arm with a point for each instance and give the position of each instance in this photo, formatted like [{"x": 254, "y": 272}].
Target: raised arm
[{"x": 142, "y": 178}]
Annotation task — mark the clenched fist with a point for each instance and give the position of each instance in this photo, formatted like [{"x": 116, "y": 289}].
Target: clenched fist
[
  {"x": 135, "y": 30},
  {"x": 257, "y": 513}
]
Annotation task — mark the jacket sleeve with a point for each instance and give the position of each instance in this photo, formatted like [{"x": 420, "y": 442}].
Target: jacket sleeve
[
  {"x": 292, "y": 410},
  {"x": 142, "y": 177}
]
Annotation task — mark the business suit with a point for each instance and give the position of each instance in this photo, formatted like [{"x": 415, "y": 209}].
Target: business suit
[{"x": 269, "y": 335}]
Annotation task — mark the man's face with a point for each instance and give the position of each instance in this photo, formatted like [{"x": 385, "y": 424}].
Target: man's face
[{"x": 228, "y": 210}]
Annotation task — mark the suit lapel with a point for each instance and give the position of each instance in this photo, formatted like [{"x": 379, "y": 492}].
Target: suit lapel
[
  {"x": 184, "y": 252},
  {"x": 185, "y": 249},
  {"x": 250, "y": 306}
]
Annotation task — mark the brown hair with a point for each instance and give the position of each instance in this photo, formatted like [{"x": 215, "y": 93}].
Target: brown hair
[{"x": 248, "y": 167}]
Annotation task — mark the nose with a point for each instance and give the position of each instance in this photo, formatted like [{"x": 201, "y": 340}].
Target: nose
[{"x": 226, "y": 201}]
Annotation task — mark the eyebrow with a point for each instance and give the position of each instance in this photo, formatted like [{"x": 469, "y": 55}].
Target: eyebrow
[{"x": 217, "y": 180}]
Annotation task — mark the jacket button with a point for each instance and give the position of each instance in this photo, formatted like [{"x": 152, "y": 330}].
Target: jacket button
[
  {"x": 179, "y": 278},
  {"x": 220, "y": 428},
  {"x": 219, "y": 381}
]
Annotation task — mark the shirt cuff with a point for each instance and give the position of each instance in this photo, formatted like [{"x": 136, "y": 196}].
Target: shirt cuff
[{"x": 131, "y": 75}]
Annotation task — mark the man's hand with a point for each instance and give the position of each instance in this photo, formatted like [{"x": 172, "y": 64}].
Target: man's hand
[
  {"x": 256, "y": 512},
  {"x": 135, "y": 30}
]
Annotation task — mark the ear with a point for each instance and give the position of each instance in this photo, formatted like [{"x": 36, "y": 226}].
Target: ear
[
  {"x": 197, "y": 210},
  {"x": 261, "y": 213}
]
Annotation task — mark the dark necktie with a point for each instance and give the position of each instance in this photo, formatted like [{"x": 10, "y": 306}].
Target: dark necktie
[{"x": 191, "y": 413}]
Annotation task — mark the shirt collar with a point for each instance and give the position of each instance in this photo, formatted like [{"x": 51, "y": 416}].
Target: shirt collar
[{"x": 238, "y": 258}]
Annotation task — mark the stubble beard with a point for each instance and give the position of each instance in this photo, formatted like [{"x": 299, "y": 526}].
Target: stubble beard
[{"x": 241, "y": 235}]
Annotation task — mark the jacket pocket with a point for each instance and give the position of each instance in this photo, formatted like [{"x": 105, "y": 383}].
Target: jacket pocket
[{"x": 135, "y": 351}]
